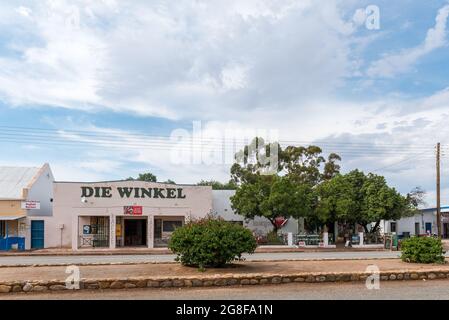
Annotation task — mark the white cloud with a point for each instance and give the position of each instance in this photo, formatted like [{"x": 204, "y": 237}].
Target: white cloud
[
  {"x": 154, "y": 59},
  {"x": 24, "y": 11},
  {"x": 396, "y": 63}
]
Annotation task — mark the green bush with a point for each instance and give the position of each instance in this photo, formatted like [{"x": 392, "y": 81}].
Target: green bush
[
  {"x": 422, "y": 250},
  {"x": 274, "y": 239},
  {"x": 211, "y": 242}
]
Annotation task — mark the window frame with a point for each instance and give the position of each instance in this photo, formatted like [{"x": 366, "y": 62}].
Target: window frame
[{"x": 170, "y": 223}]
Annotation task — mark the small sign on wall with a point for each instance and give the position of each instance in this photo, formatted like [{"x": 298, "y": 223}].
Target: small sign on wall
[
  {"x": 86, "y": 229},
  {"x": 31, "y": 205},
  {"x": 133, "y": 210}
]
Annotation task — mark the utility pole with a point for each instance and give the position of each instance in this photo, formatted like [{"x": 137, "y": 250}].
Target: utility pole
[{"x": 438, "y": 190}]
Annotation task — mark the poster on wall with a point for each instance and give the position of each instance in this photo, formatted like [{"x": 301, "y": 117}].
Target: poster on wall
[
  {"x": 86, "y": 229},
  {"x": 132, "y": 210}
]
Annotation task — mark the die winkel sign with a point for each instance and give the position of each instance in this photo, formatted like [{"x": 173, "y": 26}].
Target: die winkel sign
[{"x": 125, "y": 192}]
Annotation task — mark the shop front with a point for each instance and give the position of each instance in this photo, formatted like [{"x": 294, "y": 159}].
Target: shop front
[{"x": 125, "y": 214}]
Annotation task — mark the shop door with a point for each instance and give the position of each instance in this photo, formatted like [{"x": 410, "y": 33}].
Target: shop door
[
  {"x": 37, "y": 234},
  {"x": 417, "y": 229},
  {"x": 429, "y": 227},
  {"x": 135, "y": 232}
]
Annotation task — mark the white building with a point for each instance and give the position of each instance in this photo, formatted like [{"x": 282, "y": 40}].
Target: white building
[
  {"x": 114, "y": 214},
  {"x": 421, "y": 223},
  {"x": 26, "y": 195}
]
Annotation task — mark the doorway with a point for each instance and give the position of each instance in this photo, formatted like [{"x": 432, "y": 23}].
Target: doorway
[
  {"x": 445, "y": 230},
  {"x": 417, "y": 229},
  {"x": 135, "y": 232},
  {"x": 37, "y": 234},
  {"x": 428, "y": 227}
]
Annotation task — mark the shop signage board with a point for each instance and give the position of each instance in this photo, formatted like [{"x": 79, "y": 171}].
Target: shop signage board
[
  {"x": 132, "y": 192},
  {"x": 132, "y": 210},
  {"x": 31, "y": 205}
]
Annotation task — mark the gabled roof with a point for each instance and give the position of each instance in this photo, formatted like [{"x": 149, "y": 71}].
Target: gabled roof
[{"x": 14, "y": 179}]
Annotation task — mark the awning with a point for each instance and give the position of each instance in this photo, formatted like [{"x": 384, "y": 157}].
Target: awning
[{"x": 11, "y": 218}]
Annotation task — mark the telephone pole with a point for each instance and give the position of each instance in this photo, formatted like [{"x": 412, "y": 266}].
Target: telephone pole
[{"x": 438, "y": 190}]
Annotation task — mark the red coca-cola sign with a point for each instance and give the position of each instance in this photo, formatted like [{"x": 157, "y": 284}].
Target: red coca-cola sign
[{"x": 133, "y": 210}]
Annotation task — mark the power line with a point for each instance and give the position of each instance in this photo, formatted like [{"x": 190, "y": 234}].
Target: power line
[
  {"x": 45, "y": 133},
  {"x": 402, "y": 161}
]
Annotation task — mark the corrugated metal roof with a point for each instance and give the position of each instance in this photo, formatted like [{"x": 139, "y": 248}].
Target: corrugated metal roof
[
  {"x": 14, "y": 179},
  {"x": 11, "y": 218}
]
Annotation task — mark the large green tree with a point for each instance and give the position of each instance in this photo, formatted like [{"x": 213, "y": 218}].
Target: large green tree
[
  {"x": 362, "y": 199},
  {"x": 273, "y": 182},
  {"x": 272, "y": 197}
]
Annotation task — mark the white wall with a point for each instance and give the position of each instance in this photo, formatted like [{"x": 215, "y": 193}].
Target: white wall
[
  {"x": 42, "y": 190},
  {"x": 408, "y": 224}
]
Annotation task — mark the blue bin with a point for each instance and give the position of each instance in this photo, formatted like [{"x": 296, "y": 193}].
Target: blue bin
[{"x": 7, "y": 243}]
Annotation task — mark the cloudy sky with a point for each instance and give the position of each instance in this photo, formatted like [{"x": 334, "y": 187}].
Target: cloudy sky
[{"x": 95, "y": 88}]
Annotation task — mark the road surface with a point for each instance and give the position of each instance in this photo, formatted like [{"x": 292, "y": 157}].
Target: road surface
[
  {"x": 106, "y": 259},
  {"x": 410, "y": 290}
]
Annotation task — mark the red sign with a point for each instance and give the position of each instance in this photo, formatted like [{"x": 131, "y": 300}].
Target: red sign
[
  {"x": 133, "y": 210},
  {"x": 280, "y": 221}
]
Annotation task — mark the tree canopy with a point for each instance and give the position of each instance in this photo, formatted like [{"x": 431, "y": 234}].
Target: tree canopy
[
  {"x": 217, "y": 185},
  {"x": 363, "y": 199},
  {"x": 273, "y": 182},
  {"x": 149, "y": 177}
]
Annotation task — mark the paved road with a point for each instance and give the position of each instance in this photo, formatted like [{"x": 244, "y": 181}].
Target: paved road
[
  {"x": 410, "y": 290},
  {"x": 100, "y": 259}
]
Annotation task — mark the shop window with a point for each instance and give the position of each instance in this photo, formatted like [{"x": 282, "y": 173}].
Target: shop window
[
  {"x": 99, "y": 228},
  {"x": 170, "y": 226}
]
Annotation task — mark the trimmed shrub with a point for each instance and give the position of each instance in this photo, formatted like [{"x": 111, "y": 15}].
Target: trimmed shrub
[
  {"x": 211, "y": 242},
  {"x": 422, "y": 250}
]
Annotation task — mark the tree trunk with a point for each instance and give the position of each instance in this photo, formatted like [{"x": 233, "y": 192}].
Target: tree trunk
[
  {"x": 275, "y": 227},
  {"x": 365, "y": 227}
]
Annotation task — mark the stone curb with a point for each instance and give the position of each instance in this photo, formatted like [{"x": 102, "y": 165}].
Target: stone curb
[
  {"x": 167, "y": 252},
  {"x": 174, "y": 262},
  {"x": 220, "y": 280}
]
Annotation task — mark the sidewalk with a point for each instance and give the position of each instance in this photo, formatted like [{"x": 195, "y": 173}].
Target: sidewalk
[
  {"x": 157, "y": 251},
  {"x": 242, "y": 273}
]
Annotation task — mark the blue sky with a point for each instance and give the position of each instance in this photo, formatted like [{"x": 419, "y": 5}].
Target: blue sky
[{"x": 311, "y": 71}]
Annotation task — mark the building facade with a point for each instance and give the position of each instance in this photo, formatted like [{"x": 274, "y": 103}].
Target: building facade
[
  {"x": 26, "y": 195},
  {"x": 115, "y": 214},
  {"x": 422, "y": 223}
]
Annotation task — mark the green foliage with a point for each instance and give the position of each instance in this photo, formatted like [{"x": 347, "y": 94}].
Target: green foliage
[
  {"x": 217, "y": 185},
  {"x": 359, "y": 198},
  {"x": 210, "y": 242},
  {"x": 273, "y": 238},
  {"x": 288, "y": 190},
  {"x": 149, "y": 177},
  {"x": 272, "y": 197},
  {"x": 422, "y": 250}
]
